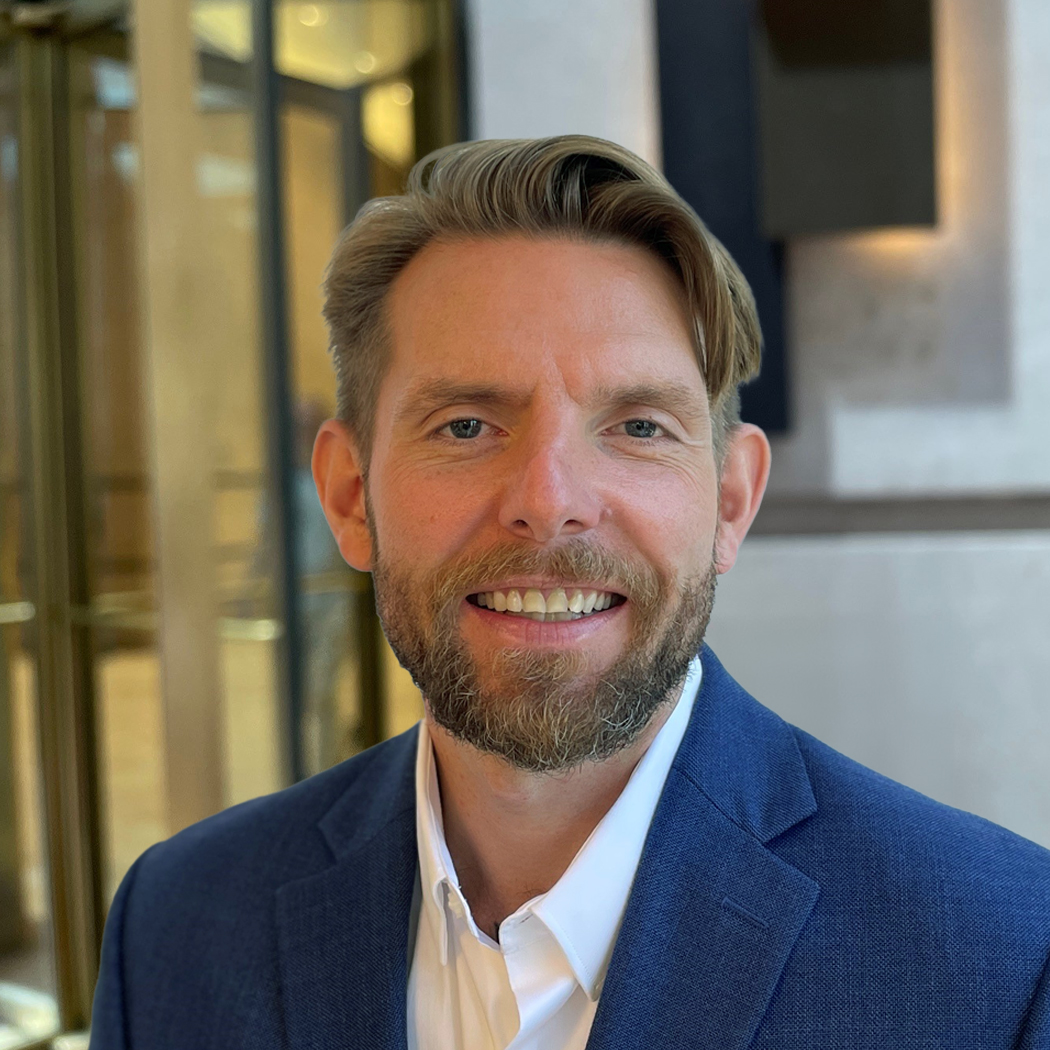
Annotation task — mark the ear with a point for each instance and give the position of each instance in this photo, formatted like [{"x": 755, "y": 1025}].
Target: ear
[
  {"x": 340, "y": 483},
  {"x": 745, "y": 472}
]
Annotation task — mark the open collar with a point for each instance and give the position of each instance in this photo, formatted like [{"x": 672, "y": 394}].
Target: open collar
[
  {"x": 585, "y": 907},
  {"x": 711, "y": 919}
]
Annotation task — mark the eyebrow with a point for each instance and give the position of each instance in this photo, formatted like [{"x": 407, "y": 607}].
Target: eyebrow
[
  {"x": 427, "y": 396},
  {"x": 669, "y": 397}
]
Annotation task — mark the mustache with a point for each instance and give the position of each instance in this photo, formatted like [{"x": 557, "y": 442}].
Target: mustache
[{"x": 577, "y": 561}]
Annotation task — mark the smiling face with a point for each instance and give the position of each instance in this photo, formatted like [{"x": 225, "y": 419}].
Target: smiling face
[{"x": 541, "y": 511}]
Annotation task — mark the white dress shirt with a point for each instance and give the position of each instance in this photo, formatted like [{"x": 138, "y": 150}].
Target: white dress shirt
[{"x": 538, "y": 988}]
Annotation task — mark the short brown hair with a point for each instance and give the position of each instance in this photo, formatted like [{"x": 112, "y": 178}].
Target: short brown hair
[{"x": 572, "y": 186}]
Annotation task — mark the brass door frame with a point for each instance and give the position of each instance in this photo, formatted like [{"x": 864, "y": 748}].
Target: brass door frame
[{"x": 60, "y": 595}]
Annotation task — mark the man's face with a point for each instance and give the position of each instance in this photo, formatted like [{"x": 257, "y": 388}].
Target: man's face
[{"x": 542, "y": 430}]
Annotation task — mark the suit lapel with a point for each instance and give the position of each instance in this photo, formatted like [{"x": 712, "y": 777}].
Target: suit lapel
[
  {"x": 713, "y": 913},
  {"x": 343, "y": 933},
  {"x": 712, "y": 919}
]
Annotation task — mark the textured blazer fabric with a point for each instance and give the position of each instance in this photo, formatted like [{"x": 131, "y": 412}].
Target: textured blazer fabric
[{"x": 787, "y": 898}]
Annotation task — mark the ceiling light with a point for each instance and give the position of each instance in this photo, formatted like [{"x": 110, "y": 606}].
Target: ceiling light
[{"x": 364, "y": 61}]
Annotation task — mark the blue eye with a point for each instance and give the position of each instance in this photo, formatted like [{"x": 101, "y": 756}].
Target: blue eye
[
  {"x": 641, "y": 428},
  {"x": 465, "y": 428}
]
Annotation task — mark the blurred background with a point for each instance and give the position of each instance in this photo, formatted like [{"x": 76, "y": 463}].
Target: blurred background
[{"x": 177, "y": 630}]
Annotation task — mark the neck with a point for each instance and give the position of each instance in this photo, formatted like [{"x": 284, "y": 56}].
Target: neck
[{"x": 511, "y": 833}]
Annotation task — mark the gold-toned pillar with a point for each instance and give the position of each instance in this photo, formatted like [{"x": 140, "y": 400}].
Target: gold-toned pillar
[
  {"x": 64, "y": 676},
  {"x": 172, "y": 246}
]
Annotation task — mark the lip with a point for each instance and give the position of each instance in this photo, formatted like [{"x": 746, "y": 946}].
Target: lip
[{"x": 537, "y": 634}]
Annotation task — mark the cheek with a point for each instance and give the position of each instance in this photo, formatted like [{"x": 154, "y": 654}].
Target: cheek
[
  {"x": 421, "y": 513},
  {"x": 679, "y": 511},
  {"x": 683, "y": 544}
]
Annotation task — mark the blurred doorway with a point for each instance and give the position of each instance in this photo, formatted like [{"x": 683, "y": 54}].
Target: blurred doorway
[
  {"x": 147, "y": 515},
  {"x": 28, "y": 978}
]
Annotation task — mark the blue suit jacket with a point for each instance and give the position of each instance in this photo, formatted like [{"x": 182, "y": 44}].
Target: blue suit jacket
[{"x": 787, "y": 898}]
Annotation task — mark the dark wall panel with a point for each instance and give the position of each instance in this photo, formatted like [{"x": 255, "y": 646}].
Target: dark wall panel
[
  {"x": 845, "y": 98},
  {"x": 709, "y": 125}
]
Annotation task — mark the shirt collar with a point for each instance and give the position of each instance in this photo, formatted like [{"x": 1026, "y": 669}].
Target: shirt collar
[
  {"x": 437, "y": 873},
  {"x": 584, "y": 908}
]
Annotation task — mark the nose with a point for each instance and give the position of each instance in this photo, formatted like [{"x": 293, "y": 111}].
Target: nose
[{"x": 551, "y": 489}]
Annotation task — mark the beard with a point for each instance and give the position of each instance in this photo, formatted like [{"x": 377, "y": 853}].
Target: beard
[{"x": 541, "y": 711}]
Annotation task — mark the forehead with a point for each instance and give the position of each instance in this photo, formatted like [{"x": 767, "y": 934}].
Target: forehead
[{"x": 515, "y": 308}]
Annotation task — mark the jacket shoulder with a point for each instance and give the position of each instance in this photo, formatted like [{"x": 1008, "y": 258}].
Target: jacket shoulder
[
  {"x": 191, "y": 945},
  {"x": 275, "y": 838},
  {"x": 906, "y": 843}
]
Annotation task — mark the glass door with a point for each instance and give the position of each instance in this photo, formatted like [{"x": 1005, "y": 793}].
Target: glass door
[
  {"x": 147, "y": 513},
  {"x": 172, "y": 400}
]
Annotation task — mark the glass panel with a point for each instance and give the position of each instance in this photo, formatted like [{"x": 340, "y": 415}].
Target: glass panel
[
  {"x": 226, "y": 321},
  {"x": 351, "y": 128},
  {"x": 172, "y": 356},
  {"x": 336, "y": 43},
  {"x": 390, "y": 133},
  {"x": 116, "y": 457},
  {"x": 332, "y": 594},
  {"x": 207, "y": 388},
  {"x": 28, "y": 1009}
]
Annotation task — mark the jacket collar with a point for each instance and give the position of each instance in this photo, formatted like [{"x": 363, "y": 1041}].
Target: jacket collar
[
  {"x": 343, "y": 934},
  {"x": 714, "y": 912},
  {"x": 743, "y": 758}
]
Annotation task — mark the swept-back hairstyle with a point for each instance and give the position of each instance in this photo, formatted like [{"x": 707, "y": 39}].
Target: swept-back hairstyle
[{"x": 570, "y": 186}]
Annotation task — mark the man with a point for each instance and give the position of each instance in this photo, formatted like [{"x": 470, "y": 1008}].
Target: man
[{"x": 595, "y": 837}]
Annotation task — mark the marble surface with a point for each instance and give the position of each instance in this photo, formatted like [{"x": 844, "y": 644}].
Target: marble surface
[
  {"x": 547, "y": 67},
  {"x": 924, "y": 657}
]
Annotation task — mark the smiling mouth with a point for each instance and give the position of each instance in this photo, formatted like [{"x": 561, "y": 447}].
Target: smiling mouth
[{"x": 557, "y": 604}]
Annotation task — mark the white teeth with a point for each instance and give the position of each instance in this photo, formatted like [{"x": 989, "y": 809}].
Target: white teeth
[
  {"x": 557, "y": 602},
  {"x": 558, "y": 605}
]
